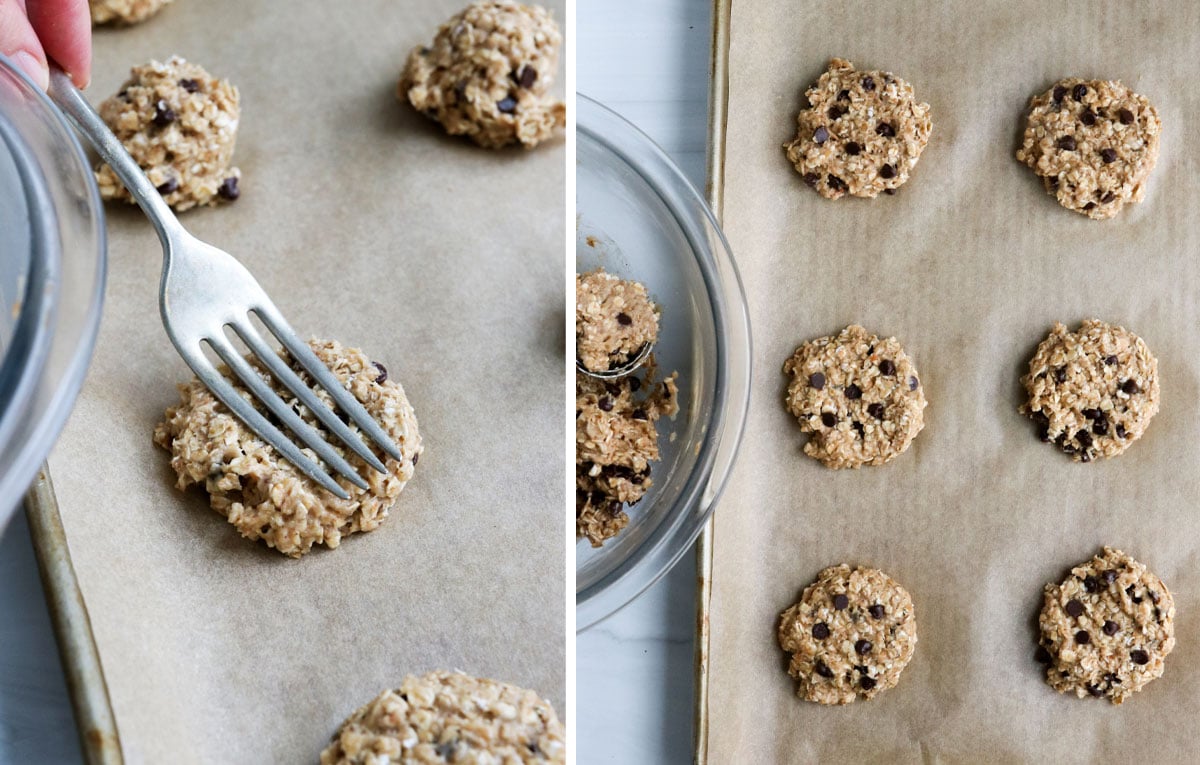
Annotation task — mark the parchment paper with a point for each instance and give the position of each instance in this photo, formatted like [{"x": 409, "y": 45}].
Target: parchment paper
[
  {"x": 968, "y": 265},
  {"x": 443, "y": 261}
]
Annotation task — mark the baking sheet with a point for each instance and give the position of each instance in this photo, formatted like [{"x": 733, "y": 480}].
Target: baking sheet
[
  {"x": 441, "y": 260},
  {"x": 969, "y": 265}
]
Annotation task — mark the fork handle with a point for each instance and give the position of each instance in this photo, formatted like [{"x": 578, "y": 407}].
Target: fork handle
[{"x": 85, "y": 119}]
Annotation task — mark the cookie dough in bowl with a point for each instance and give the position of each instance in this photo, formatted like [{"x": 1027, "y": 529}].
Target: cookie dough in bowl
[
  {"x": 487, "y": 75},
  {"x": 266, "y": 497},
  {"x": 614, "y": 320},
  {"x": 180, "y": 124},
  {"x": 450, "y": 717}
]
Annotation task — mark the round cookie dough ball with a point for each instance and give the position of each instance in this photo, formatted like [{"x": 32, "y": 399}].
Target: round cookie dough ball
[
  {"x": 180, "y": 125},
  {"x": 1107, "y": 629},
  {"x": 859, "y": 397},
  {"x": 614, "y": 320},
  {"x": 488, "y": 73},
  {"x": 1092, "y": 392},
  {"x": 852, "y": 634},
  {"x": 1093, "y": 143},
  {"x": 450, "y": 717},
  {"x": 124, "y": 11},
  {"x": 861, "y": 134},
  {"x": 266, "y": 497}
]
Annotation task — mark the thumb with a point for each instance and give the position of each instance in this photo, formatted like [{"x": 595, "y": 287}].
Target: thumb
[{"x": 18, "y": 42}]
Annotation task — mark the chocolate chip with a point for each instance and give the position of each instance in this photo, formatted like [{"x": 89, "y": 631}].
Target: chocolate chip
[
  {"x": 843, "y": 95},
  {"x": 1066, "y": 143},
  {"x": 1083, "y": 438},
  {"x": 1042, "y": 656},
  {"x": 885, "y": 129},
  {"x": 816, "y": 380},
  {"x": 1089, "y": 206},
  {"x": 1108, "y": 197},
  {"x": 1108, "y": 155},
  {"x": 1059, "y": 94},
  {"x": 605, "y": 403},
  {"x": 840, "y": 602},
  {"x": 506, "y": 105},
  {"x": 866, "y": 682},
  {"x": 852, "y": 148},
  {"x": 1130, "y": 387},
  {"x": 868, "y": 83},
  {"x": 913, "y": 383},
  {"x": 835, "y": 183},
  {"x": 1129, "y": 592},
  {"x": 890, "y": 192},
  {"x": 1112, "y": 679},
  {"x": 229, "y": 189},
  {"x": 835, "y": 112},
  {"x": 820, "y": 135},
  {"x": 887, "y": 172},
  {"x": 811, "y": 178},
  {"x": 1139, "y": 656},
  {"x": 1092, "y": 414},
  {"x": 1082, "y": 637},
  {"x": 190, "y": 85},
  {"x": 853, "y": 392},
  {"x": 820, "y": 630},
  {"x": 828, "y": 419},
  {"x": 1043, "y": 424},
  {"x": 1087, "y": 117},
  {"x": 1110, "y": 360},
  {"x": 1125, "y": 116},
  {"x": 875, "y": 410},
  {"x": 1091, "y": 584},
  {"x": 1079, "y": 91},
  {"x": 527, "y": 77},
  {"x": 614, "y": 508},
  {"x": 1074, "y": 608},
  {"x": 863, "y": 647},
  {"x": 876, "y": 611},
  {"x": 1120, "y": 430},
  {"x": 822, "y": 669},
  {"x": 1109, "y": 576},
  {"x": 862, "y": 669},
  {"x": 858, "y": 428},
  {"x": 639, "y": 414},
  {"x": 1100, "y": 427},
  {"x": 168, "y": 186},
  {"x": 1060, "y": 375},
  {"x": 1094, "y": 690},
  {"x": 1110, "y": 627},
  {"x": 163, "y": 114},
  {"x": 624, "y": 319},
  {"x": 382, "y": 377},
  {"x": 887, "y": 368}
]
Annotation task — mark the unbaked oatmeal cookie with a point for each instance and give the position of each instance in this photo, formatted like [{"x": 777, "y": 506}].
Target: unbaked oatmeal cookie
[
  {"x": 614, "y": 320},
  {"x": 851, "y": 635},
  {"x": 450, "y": 717},
  {"x": 266, "y": 497},
  {"x": 858, "y": 396},
  {"x": 1093, "y": 143},
  {"x": 180, "y": 124},
  {"x": 1092, "y": 392},
  {"x": 487, "y": 75},
  {"x": 1107, "y": 629},
  {"x": 124, "y": 11},
  {"x": 862, "y": 133}
]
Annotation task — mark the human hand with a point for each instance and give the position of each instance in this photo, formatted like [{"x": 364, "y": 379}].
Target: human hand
[{"x": 32, "y": 30}]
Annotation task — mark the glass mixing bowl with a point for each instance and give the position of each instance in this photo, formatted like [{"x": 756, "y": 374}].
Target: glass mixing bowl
[
  {"x": 638, "y": 217},
  {"x": 52, "y": 267}
]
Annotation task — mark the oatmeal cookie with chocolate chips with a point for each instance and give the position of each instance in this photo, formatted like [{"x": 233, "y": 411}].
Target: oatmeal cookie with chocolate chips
[
  {"x": 851, "y": 635},
  {"x": 1093, "y": 143},
  {"x": 616, "y": 439},
  {"x": 487, "y": 75},
  {"x": 862, "y": 133},
  {"x": 1093, "y": 392},
  {"x": 1107, "y": 629},
  {"x": 180, "y": 125},
  {"x": 266, "y": 497},
  {"x": 450, "y": 717},
  {"x": 124, "y": 11},
  {"x": 614, "y": 320},
  {"x": 859, "y": 397}
]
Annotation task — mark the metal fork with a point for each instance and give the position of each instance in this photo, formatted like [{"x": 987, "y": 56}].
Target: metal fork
[{"x": 203, "y": 291}]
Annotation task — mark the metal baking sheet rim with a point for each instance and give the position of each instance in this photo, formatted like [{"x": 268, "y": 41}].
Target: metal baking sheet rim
[{"x": 718, "y": 101}]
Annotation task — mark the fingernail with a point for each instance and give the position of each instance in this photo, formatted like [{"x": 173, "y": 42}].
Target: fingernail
[{"x": 35, "y": 69}]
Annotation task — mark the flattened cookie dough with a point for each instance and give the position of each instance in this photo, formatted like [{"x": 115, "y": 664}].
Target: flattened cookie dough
[
  {"x": 487, "y": 75},
  {"x": 1093, "y": 143},
  {"x": 264, "y": 496},
  {"x": 852, "y": 634},
  {"x": 859, "y": 397},
  {"x": 1092, "y": 392},
  {"x": 1107, "y": 629},
  {"x": 180, "y": 124},
  {"x": 862, "y": 133},
  {"x": 450, "y": 717},
  {"x": 124, "y": 11},
  {"x": 614, "y": 320}
]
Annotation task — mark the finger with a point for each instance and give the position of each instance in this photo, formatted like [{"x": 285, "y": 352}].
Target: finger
[
  {"x": 18, "y": 41},
  {"x": 65, "y": 30}
]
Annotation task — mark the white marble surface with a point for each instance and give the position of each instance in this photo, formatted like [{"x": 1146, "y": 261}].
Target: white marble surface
[{"x": 649, "y": 61}]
